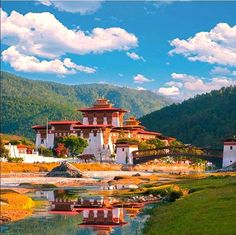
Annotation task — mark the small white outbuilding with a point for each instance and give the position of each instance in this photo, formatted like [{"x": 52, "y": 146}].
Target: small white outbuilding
[
  {"x": 124, "y": 153},
  {"x": 229, "y": 153}
]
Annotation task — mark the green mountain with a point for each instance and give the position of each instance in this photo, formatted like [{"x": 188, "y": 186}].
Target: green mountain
[
  {"x": 203, "y": 121},
  {"x": 28, "y": 102}
]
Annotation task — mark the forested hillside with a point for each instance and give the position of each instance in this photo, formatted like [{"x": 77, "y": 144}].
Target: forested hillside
[
  {"x": 28, "y": 102},
  {"x": 203, "y": 121}
]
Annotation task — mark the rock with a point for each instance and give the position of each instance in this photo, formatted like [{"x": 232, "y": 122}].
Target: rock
[
  {"x": 65, "y": 170},
  {"x": 137, "y": 174},
  {"x": 4, "y": 219}
]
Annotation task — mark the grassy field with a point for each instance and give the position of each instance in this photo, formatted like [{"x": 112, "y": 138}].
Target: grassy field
[{"x": 210, "y": 209}]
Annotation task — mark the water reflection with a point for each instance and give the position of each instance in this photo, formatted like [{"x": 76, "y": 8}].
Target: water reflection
[
  {"x": 97, "y": 213},
  {"x": 73, "y": 212}
]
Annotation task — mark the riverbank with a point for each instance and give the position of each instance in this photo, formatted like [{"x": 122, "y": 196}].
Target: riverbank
[
  {"x": 209, "y": 208},
  {"x": 157, "y": 167},
  {"x": 14, "y": 206},
  {"x": 20, "y": 167}
]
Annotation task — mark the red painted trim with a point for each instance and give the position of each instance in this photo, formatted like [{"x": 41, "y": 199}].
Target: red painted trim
[
  {"x": 229, "y": 143},
  {"x": 64, "y": 122},
  {"x": 64, "y": 212},
  {"x": 102, "y": 109},
  {"x": 92, "y": 126}
]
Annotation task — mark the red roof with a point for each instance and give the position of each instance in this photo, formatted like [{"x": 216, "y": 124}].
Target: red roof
[
  {"x": 93, "y": 126},
  {"x": 38, "y": 127},
  {"x": 141, "y": 131},
  {"x": 64, "y": 122},
  {"x": 22, "y": 146},
  {"x": 56, "y": 123},
  {"x": 101, "y": 109}
]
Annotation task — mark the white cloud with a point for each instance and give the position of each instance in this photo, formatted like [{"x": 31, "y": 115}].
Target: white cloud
[
  {"x": 33, "y": 34},
  {"x": 189, "y": 85},
  {"x": 82, "y": 7},
  {"x": 172, "y": 83},
  {"x": 45, "y": 2},
  {"x": 140, "y": 88},
  {"x": 169, "y": 91},
  {"x": 68, "y": 63},
  {"x": 26, "y": 63},
  {"x": 215, "y": 47},
  {"x": 220, "y": 71},
  {"x": 134, "y": 56},
  {"x": 139, "y": 78},
  {"x": 183, "y": 77}
]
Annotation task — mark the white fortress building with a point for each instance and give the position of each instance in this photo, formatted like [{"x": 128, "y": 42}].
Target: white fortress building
[
  {"x": 229, "y": 154},
  {"x": 102, "y": 126}
]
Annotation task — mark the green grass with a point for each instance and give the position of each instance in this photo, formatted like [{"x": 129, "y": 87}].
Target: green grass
[{"x": 209, "y": 210}]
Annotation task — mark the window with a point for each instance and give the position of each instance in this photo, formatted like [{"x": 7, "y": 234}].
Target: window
[
  {"x": 231, "y": 147},
  {"x": 42, "y": 141},
  {"x": 123, "y": 149}
]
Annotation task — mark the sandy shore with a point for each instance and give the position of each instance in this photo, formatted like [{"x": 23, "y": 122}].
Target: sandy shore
[{"x": 13, "y": 180}]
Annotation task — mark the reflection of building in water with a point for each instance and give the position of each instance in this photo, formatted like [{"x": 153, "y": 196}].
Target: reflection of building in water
[
  {"x": 100, "y": 216},
  {"x": 102, "y": 220},
  {"x": 132, "y": 212},
  {"x": 68, "y": 204},
  {"x": 49, "y": 195}
]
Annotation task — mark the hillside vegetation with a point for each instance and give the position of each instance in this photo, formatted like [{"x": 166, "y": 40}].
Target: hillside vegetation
[
  {"x": 28, "y": 102},
  {"x": 203, "y": 121}
]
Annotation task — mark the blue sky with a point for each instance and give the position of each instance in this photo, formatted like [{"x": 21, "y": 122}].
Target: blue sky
[{"x": 178, "y": 49}]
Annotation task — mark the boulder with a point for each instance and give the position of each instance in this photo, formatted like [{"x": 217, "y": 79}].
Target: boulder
[{"x": 65, "y": 170}]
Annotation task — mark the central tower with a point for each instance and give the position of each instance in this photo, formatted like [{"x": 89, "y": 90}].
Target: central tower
[{"x": 103, "y": 113}]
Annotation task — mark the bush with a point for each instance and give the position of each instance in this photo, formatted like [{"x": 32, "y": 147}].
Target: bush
[
  {"x": 173, "y": 195},
  {"x": 15, "y": 159},
  {"x": 45, "y": 151},
  {"x": 14, "y": 142},
  {"x": 119, "y": 177}
]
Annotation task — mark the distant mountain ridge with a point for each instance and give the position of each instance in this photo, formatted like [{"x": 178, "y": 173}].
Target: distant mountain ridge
[
  {"x": 27, "y": 102},
  {"x": 203, "y": 121}
]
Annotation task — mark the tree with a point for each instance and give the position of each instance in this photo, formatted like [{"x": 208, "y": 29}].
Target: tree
[
  {"x": 142, "y": 145},
  {"x": 75, "y": 145},
  {"x": 61, "y": 150},
  {"x": 45, "y": 151},
  {"x": 14, "y": 142},
  {"x": 4, "y": 153},
  {"x": 156, "y": 142}
]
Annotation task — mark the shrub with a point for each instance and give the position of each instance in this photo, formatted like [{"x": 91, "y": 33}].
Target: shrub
[
  {"x": 45, "y": 151},
  {"x": 173, "y": 195},
  {"x": 119, "y": 177},
  {"x": 15, "y": 159}
]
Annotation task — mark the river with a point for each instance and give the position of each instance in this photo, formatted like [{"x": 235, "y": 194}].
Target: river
[{"x": 88, "y": 220}]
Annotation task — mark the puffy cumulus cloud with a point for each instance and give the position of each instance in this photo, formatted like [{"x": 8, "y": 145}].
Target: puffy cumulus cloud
[
  {"x": 26, "y": 63},
  {"x": 188, "y": 85},
  {"x": 176, "y": 84},
  {"x": 140, "y": 88},
  {"x": 183, "y": 77},
  {"x": 218, "y": 46},
  {"x": 220, "y": 71},
  {"x": 69, "y": 64},
  {"x": 82, "y": 7},
  {"x": 33, "y": 34},
  {"x": 134, "y": 56},
  {"x": 169, "y": 91},
  {"x": 139, "y": 78}
]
